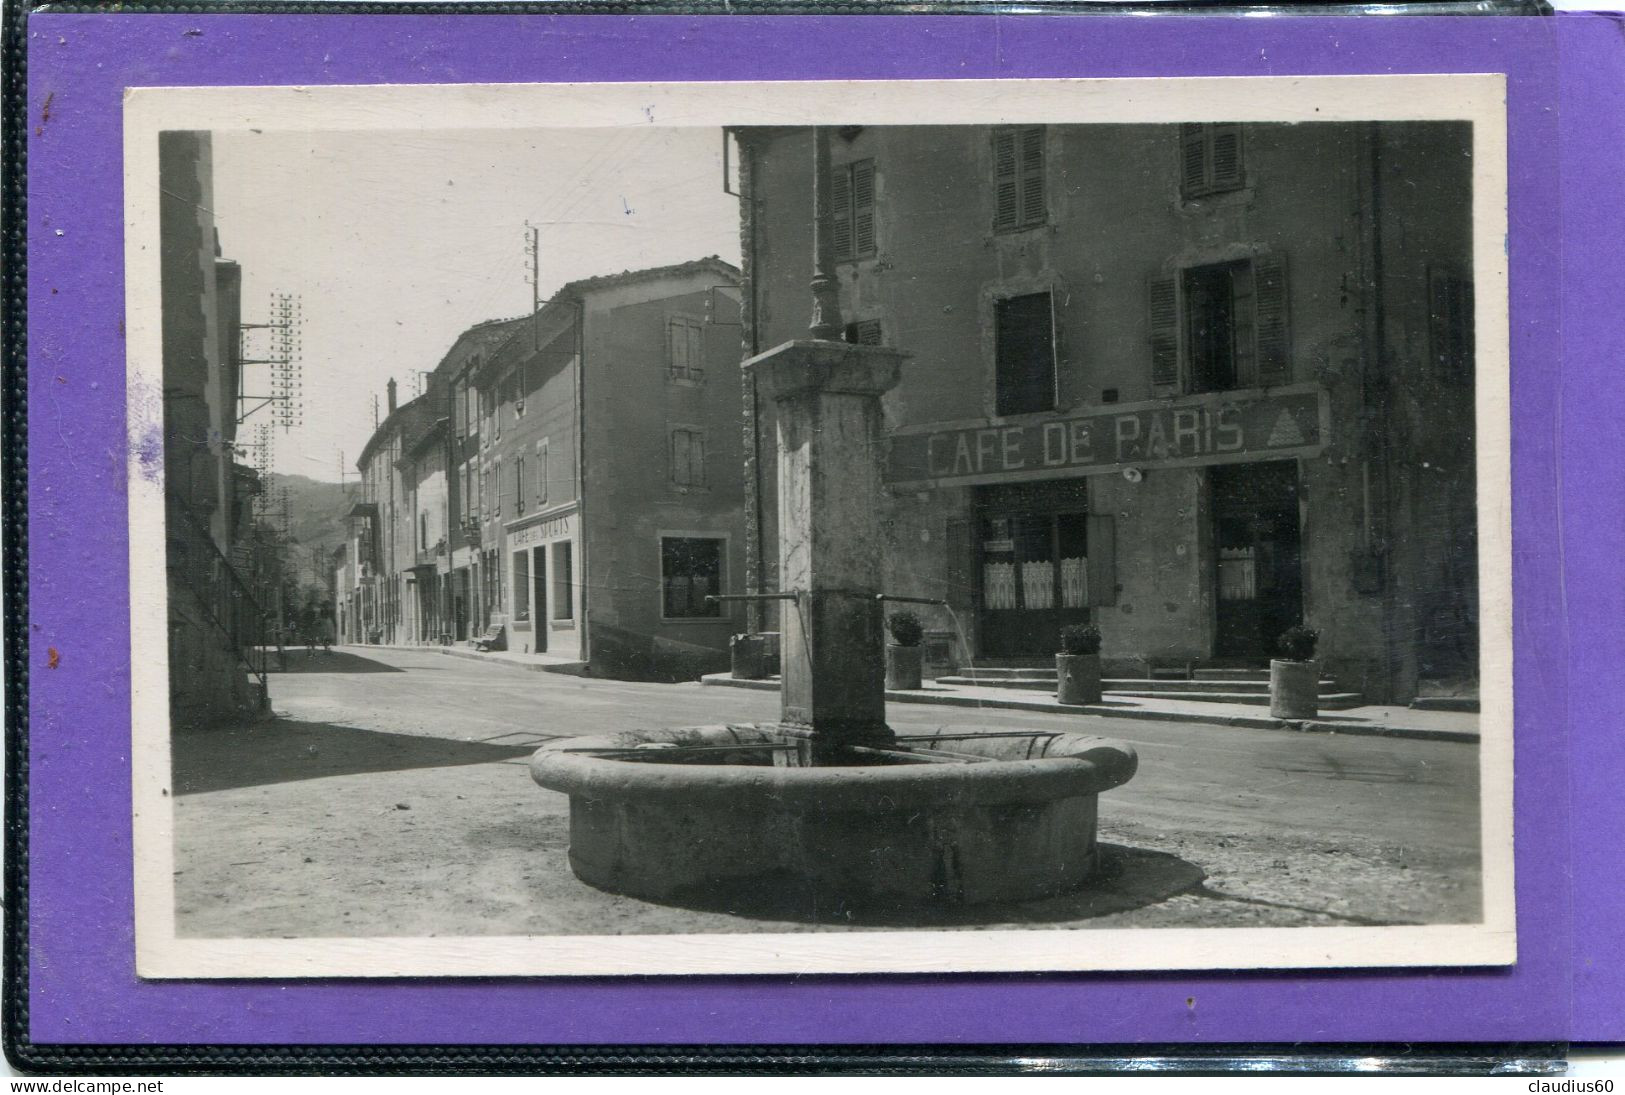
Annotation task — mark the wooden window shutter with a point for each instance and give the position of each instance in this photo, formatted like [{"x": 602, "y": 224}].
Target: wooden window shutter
[
  {"x": 863, "y": 207},
  {"x": 1101, "y": 533},
  {"x": 840, "y": 198},
  {"x": 1192, "y": 158},
  {"x": 1226, "y": 172},
  {"x": 1032, "y": 176},
  {"x": 696, "y": 348},
  {"x": 1274, "y": 357},
  {"x": 1164, "y": 313},
  {"x": 1006, "y": 184}
]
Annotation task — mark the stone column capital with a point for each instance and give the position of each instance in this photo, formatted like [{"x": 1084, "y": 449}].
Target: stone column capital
[{"x": 805, "y": 366}]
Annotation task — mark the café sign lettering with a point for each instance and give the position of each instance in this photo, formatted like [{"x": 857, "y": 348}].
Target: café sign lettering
[
  {"x": 542, "y": 531},
  {"x": 1217, "y": 428}
]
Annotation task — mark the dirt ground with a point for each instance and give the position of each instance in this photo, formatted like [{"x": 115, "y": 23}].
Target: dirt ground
[{"x": 355, "y": 816}]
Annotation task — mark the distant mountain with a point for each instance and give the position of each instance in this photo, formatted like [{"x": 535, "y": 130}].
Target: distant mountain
[{"x": 316, "y": 520}]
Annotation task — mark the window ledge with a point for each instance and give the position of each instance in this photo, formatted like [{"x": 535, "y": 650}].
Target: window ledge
[{"x": 1219, "y": 199}]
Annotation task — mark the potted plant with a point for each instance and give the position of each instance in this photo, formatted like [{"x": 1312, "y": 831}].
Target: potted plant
[
  {"x": 1295, "y": 675},
  {"x": 903, "y": 653},
  {"x": 1077, "y": 666}
]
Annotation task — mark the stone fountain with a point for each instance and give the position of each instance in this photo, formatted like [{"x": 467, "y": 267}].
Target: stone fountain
[{"x": 829, "y": 800}]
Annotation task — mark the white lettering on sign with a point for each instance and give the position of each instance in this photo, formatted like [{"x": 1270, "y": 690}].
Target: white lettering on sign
[{"x": 552, "y": 529}]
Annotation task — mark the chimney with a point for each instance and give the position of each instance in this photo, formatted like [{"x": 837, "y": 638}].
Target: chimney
[{"x": 391, "y": 395}]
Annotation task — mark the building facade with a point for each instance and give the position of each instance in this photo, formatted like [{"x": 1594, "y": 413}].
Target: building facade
[
  {"x": 575, "y": 487},
  {"x": 1192, "y": 383},
  {"x": 214, "y": 618}
]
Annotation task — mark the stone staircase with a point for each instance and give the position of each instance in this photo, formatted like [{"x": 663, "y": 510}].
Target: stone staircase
[{"x": 1200, "y": 685}]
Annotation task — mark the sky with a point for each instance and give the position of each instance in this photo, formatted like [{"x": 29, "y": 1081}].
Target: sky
[{"x": 396, "y": 242}]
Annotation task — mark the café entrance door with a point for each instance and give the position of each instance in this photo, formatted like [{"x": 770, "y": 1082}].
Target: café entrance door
[
  {"x": 1258, "y": 567},
  {"x": 1043, "y": 561}
]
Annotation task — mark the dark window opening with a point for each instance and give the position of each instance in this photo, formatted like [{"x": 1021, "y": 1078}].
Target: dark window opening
[
  {"x": 1025, "y": 354},
  {"x": 1219, "y": 326},
  {"x": 865, "y": 332},
  {"x": 521, "y": 585},
  {"x": 1450, "y": 326},
  {"x": 690, "y": 571},
  {"x": 563, "y": 580}
]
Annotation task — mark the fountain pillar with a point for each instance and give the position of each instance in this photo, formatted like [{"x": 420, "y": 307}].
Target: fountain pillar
[{"x": 827, "y": 398}]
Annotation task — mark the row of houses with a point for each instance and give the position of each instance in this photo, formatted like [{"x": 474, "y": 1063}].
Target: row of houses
[
  {"x": 567, "y": 483},
  {"x": 1192, "y": 383}
]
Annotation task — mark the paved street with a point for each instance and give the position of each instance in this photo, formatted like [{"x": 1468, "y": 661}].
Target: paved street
[{"x": 391, "y": 797}]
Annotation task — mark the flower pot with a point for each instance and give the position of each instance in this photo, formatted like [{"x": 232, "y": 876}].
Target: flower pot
[
  {"x": 749, "y": 657},
  {"x": 1077, "y": 678},
  {"x": 903, "y": 666},
  {"x": 1294, "y": 689}
]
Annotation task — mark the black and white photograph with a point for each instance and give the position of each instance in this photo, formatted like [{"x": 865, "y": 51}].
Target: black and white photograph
[{"x": 906, "y": 527}]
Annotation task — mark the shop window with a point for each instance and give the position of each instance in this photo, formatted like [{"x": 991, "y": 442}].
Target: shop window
[
  {"x": 685, "y": 348},
  {"x": 1210, "y": 159},
  {"x": 852, "y": 210},
  {"x": 563, "y": 582},
  {"x": 865, "y": 332},
  {"x": 687, "y": 458},
  {"x": 690, "y": 571},
  {"x": 1221, "y": 327},
  {"x": 1024, "y": 335},
  {"x": 1018, "y": 178},
  {"x": 521, "y": 585},
  {"x": 1450, "y": 325}
]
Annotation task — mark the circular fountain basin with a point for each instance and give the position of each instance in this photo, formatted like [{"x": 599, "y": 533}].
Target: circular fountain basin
[{"x": 693, "y": 816}]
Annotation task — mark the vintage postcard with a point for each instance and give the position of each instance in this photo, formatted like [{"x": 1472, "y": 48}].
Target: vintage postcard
[{"x": 905, "y": 526}]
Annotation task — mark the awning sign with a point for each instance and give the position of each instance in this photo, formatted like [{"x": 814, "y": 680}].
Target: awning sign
[{"x": 1216, "y": 428}]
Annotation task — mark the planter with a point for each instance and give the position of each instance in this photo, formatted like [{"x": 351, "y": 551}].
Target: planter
[
  {"x": 749, "y": 657},
  {"x": 903, "y": 666},
  {"x": 1294, "y": 689},
  {"x": 1077, "y": 678}
]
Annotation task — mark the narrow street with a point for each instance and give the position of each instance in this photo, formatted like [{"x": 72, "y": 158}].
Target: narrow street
[{"x": 391, "y": 797}]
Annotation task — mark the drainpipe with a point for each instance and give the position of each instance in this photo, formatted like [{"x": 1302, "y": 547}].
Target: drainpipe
[
  {"x": 1379, "y": 409},
  {"x": 755, "y": 613}
]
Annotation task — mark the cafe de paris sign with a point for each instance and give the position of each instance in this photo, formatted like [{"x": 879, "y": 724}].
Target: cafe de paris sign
[{"x": 1215, "y": 428}]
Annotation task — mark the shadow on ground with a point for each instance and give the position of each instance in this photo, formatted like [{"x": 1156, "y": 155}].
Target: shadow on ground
[
  {"x": 301, "y": 659},
  {"x": 286, "y": 750},
  {"x": 1127, "y": 879}
]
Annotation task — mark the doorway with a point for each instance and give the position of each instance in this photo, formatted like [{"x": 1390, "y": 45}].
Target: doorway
[
  {"x": 1258, "y": 557},
  {"x": 538, "y": 597},
  {"x": 1032, "y": 546}
]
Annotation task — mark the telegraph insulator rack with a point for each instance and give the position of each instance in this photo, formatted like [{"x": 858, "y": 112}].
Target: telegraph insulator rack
[{"x": 280, "y": 349}]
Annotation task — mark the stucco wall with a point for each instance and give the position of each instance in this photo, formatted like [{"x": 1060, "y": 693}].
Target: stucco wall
[{"x": 1116, "y": 219}]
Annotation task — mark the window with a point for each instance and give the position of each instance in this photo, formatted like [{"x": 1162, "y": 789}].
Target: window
[
  {"x": 541, "y": 473},
  {"x": 496, "y": 487},
  {"x": 1231, "y": 320},
  {"x": 1450, "y": 325},
  {"x": 518, "y": 485},
  {"x": 685, "y": 348},
  {"x": 1018, "y": 178},
  {"x": 852, "y": 210},
  {"x": 865, "y": 332},
  {"x": 521, "y": 584},
  {"x": 423, "y": 531},
  {"x": 563, "y": 577},
  {"x": 687, "y": 458},
  {"x": 1024, "y": 345},
  {"x": 1209, "y": 159},
  {"x": 690, "y": 571}
]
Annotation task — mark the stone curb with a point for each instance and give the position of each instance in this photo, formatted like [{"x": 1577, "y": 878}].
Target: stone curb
[
  {"x": 1250, "y": 722},
  {"x": 565, "y": 668}
]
